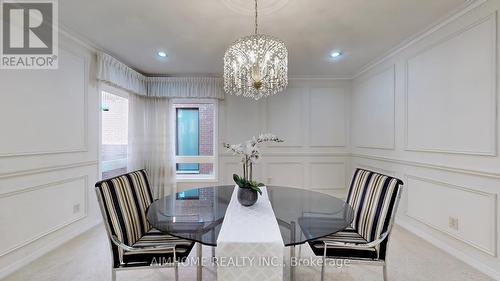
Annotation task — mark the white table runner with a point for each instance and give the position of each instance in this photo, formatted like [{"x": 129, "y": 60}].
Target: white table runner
[{"x": 249, "y": 246}]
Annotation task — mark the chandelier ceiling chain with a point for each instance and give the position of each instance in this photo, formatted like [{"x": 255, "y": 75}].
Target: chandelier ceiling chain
[
  {"x": 256, "y": 16},
  {"x": 256, "y": 66}
]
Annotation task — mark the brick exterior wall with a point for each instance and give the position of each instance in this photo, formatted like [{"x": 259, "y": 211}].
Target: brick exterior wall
[
  {"x": 113, "y": 151},
  {"x": 115, "y": 119}
]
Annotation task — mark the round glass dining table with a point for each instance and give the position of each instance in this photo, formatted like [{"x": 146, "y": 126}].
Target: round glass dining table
[{"x": 197, "y": 214}]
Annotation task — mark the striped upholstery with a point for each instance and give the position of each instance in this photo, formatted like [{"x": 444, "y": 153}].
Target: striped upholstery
[
  {"x": 125, "y": 200},
  {"x": 155, "y": 237},
  {"x": 372, "y": 197},
  {"x": 348, "y": 235}
]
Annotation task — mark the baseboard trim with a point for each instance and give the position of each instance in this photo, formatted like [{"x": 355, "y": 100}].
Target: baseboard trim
[
  {"x": 407, "y": 225},
  {"x": 50, "y": 246}
]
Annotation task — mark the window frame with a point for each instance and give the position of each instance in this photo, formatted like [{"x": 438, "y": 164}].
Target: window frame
[{"x": 214, "y": 159}]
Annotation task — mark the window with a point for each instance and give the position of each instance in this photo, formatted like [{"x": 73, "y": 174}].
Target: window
[
  {"x": 195, "y": 135},
  {"x": 188, "y": 138},
  {"x": 114, "y": 132}
]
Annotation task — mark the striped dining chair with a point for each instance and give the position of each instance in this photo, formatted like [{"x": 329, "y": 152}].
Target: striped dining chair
[
  {"x": 374, "y": 198},
  {"x": 134, "y": 243}
]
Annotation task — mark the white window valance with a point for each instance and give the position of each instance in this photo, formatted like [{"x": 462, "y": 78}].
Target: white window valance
[{"x": 118, "y": 74}]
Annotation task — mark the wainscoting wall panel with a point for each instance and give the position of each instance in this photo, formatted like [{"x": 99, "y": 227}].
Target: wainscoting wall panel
[
  {"x": 39, "y": 213},
  {"x": 373, "y": 110},
  {"x": 285, "y": 174},
  {"x": 445, "y": 202},
  {"x": 459, "y": 105},
  {"x": 311, "y": 116},
  {"x": 48, "y": 155},
  {"x": 327, "y": 175},
  {"x": 56, "y": 97},
  {"x": 445, "y": 133},
  {"x": 241, "y": 116},
  {"x": 327, "y": 117},
  {"x": 284, "y": 116}
]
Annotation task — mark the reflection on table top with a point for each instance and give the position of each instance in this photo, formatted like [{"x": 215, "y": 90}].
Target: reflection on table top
[{"x": 197, "y": 214}]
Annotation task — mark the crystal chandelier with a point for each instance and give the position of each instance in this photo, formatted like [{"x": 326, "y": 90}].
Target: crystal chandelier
[{"x": 256, "y": 66}]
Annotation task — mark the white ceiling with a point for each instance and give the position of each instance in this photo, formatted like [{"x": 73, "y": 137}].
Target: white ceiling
[{"x": 195, "y": 33}]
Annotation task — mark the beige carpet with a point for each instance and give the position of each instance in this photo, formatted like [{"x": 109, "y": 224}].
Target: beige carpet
[{"x": 87, "y": 258}]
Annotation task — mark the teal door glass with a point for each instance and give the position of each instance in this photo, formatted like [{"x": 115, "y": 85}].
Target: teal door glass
[{"x": 188, "y": 138}]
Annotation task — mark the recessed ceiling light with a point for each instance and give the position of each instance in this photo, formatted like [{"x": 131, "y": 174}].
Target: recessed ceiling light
[
  {"x": 335, "y": 54},
  {"x": 162, "y": 54}
]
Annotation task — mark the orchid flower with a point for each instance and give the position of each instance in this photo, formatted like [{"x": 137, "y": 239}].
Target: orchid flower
[{"x": 250, "y": 152}]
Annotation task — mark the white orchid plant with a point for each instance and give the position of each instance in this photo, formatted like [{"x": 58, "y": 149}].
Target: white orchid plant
[{"x": 250, "y": 154}]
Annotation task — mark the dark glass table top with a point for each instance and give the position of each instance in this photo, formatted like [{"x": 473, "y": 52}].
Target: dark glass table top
[{"x": 197, "y": 214}]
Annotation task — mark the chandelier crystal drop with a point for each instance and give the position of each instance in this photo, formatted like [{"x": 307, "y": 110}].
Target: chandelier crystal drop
[{"x": 256, "y": 66}]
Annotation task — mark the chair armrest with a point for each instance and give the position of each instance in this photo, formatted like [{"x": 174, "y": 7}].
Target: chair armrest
[
  {"x": 125, "y": 247},
  {"x": 372, "y": 244}
]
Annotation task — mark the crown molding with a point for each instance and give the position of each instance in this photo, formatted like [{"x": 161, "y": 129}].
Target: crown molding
[
  {"x": 466, "y": 7},
  {"x": 320, "y": 77},
  {"x": 75, "y": 36}
]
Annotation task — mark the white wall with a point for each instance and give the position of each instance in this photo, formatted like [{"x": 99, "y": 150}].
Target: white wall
[
  {"x": 48, "y": 155},
  {"x": 313, "y": 118},
  {"x": 312, "y": 115},
  {"x": 428, "y": 115}
]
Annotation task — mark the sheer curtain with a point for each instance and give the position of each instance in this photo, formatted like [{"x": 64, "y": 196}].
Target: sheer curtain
[{"x": 150, "y": 141}]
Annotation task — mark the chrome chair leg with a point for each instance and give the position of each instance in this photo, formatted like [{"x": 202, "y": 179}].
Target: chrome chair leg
[
  {"x": 176, "y": 271},
  {"x": 292, "y": 251},
  {"x": 323, "y": 269},
  {"x": 199, "y": 268},
  {"x": 323, "y": 263},
  {"x": 385, "y": 272},
  {"x": 213, "y": 248},
  {"x": 300, "y": 246}
]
